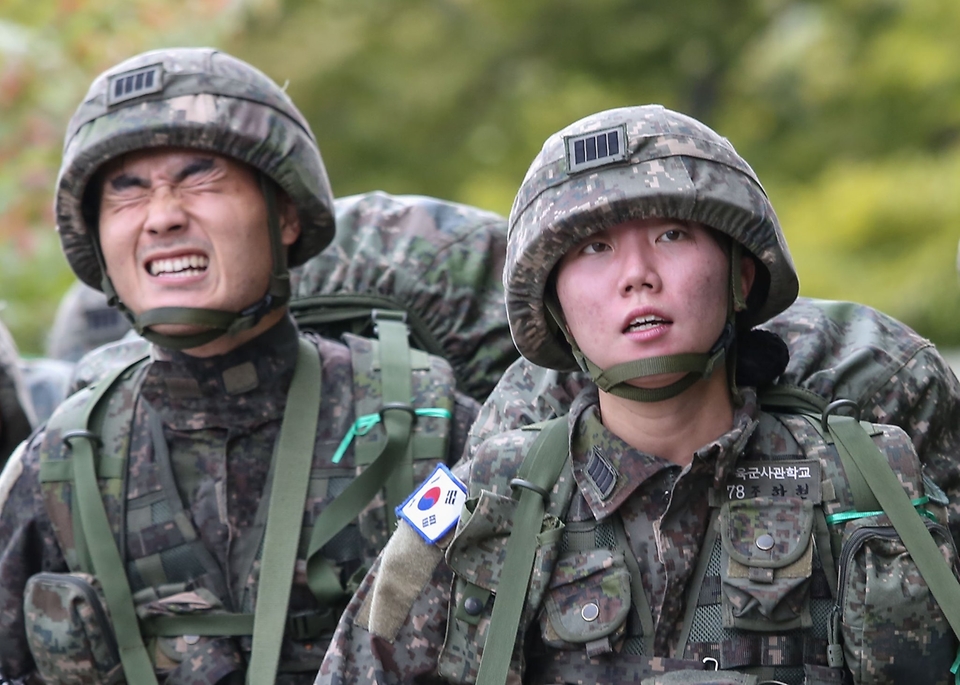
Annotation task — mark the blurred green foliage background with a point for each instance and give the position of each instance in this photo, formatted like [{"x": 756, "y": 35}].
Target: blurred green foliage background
[{"x": 849, "y": 110}]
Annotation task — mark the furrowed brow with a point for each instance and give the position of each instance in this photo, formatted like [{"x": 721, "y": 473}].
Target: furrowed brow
[
  {"x": 124, "y": 181},
  {"x": 197, "y": 166}
]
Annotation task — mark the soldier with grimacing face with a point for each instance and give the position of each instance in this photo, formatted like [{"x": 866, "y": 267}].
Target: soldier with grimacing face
[{"x": 168, "y": 524}]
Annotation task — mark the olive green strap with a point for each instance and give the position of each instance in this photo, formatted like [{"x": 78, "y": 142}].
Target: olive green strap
[
  {"x": 107, "y": 563},
  {"x": 397, "y": 416},
  {"x": 536, "y": 478},
  {"x": 298, "y": 435},
  {"x": 851, "y": 438}
]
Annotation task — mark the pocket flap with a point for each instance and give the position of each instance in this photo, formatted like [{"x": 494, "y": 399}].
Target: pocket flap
[
  {"x": 766, "y": 532},
  {"x": 589, "y": 596},
  {"x": 479, "y": 547}
]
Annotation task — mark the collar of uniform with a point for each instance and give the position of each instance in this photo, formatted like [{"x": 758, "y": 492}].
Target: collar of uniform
[
  {"x": 608, "y": 470},
  {"x": 179, "y": 385}
]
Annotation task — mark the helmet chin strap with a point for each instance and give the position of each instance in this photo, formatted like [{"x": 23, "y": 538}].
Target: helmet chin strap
[
  {"x": 694, "y": 365},
  {"x": 217, "y": 322}
]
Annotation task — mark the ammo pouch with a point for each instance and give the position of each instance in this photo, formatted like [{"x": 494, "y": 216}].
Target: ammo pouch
[
  {"x": 892, "y": 627},
  {"x": 69, "y": 631},
  {"x": 588, "y": 601},
  {"x": 766, "y": 563}
]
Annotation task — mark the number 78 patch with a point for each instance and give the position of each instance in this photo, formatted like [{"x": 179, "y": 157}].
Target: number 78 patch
[{"x": 434, "y": 507}]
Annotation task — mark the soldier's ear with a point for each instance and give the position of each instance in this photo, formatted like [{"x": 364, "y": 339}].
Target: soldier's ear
[{"x": 289, "y": 219}]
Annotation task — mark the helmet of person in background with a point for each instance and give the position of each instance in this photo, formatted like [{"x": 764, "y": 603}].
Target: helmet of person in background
[
  {"x": 84, "y": 321},
  {"x": 622, "y": 165},
  {"x": 201, "y": 99}
]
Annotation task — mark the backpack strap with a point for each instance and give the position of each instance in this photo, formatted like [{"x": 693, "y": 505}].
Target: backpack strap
[
  {"x": 391, "y": 467},
  {"x": 104, "y": 556},
  {"x": 535, "y": 479},
  {"x": 288, "y": 495}
]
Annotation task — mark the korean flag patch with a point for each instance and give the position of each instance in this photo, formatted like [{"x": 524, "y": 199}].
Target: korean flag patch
[{"x": 434, "y": 508}]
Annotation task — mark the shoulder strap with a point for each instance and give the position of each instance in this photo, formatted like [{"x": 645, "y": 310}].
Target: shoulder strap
[
  {"x": 861, "y": 451},
  {"x": 288, "y": 494},
  {"x": 535, "y": 479},
  {"x": 106, "y": 561}
]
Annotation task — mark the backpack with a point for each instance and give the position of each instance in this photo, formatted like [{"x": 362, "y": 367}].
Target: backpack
[{"x": 437, "y": 263}]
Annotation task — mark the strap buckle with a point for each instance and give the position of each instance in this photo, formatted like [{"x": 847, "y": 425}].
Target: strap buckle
[
  {"x": 833, "y": 407},
  {"x": 398, "y": 406},
  {"x": 521, "y": 483},
  {"x": 81, "y": 433}
]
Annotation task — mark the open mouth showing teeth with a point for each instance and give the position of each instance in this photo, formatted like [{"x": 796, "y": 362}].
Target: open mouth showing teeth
[
  {"x": 181, "y": 267},
  {"x": 644, "y": 323}
]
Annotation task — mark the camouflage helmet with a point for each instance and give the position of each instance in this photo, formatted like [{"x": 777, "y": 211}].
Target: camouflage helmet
[
  {"x": 626, "y": 164},
  {"x": 197, "y": 98}
]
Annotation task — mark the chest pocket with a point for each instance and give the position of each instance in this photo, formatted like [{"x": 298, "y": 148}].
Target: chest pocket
[
  {"x": 767, "y": 563},
  {"x": 588, "y": 602}
]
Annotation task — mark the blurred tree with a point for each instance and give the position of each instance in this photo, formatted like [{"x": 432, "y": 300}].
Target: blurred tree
[{"x": 848, "y": 109}]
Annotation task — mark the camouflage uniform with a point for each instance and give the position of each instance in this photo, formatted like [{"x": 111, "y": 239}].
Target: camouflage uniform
[
  {"x": 197, "y": 435},
  {"x": 619, "y": 522}
]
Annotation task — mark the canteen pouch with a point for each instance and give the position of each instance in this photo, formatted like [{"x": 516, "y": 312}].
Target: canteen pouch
[
  {"x": 766, "y": 563},
  {"x": 69, "y": 631},
  {"x": 891, "y": 626},
  {"x": 587, "y": 602}
]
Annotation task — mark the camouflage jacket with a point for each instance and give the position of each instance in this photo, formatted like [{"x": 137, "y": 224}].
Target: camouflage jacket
[
  {"x": 220, "y": 419},
  {"x": 411, "y": 619}
]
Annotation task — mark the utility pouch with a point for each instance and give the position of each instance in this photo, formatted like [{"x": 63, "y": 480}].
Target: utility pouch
[
  {"x": 69, "y": 631},
  {"x": 476, "y": 555},
  {"x": 892, "y": 627},
  {"x": 197, "y": 660},
  {"x": 766, "y": 563},
  {"x": 587, "y": 603}
]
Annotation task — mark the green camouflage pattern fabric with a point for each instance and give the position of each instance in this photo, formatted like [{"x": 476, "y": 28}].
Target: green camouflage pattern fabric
[
  {"x": 16, "y": 411},
  {"x": 673, "y": 167},
  {"x": 84, "y": 321},
  {"x": 665, "y": 511},
  {"x": 838, "y": 350},
  {"x": 71, "y": 609},
  {"x": 439, "y": 261},
  {"x": 209, "y": 101},
  {"x": 220, "y": 433}
]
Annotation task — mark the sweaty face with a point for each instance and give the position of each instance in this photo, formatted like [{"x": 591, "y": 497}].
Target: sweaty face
[
  {"x": 184, "y": 228},
  {"x": 644, "y": 289}
]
